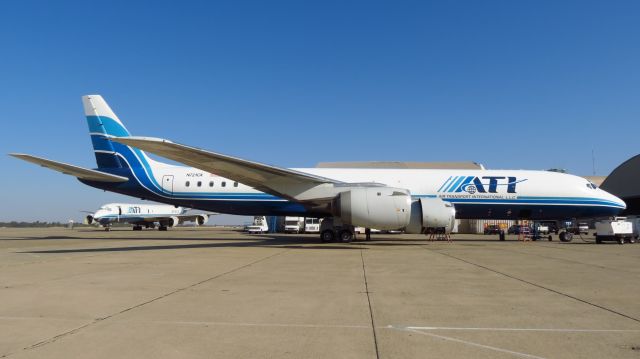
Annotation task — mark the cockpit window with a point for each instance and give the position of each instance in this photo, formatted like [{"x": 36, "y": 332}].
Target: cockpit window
[{"x": 592, "y": 185}]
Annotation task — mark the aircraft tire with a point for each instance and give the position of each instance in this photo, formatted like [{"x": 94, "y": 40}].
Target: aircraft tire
[
  {"x": 327, "y": 236},
  {"x": 162, "y": 228},
  {"x": 566, "y": 236},
  {"x": 346, "y": 236}
]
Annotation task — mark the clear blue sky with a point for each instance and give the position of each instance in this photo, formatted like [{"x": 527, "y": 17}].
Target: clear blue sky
[{"x": 511, "y": 84}]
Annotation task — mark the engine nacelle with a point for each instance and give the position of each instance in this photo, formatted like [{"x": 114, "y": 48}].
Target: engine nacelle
[
  {"x": 431, "y": 214},
  {"x": 374, "y": 207},
  {"x": 174, "y": 221},
  {"x": 88, "y": 219},
  {"x": 201, "y": 219}
]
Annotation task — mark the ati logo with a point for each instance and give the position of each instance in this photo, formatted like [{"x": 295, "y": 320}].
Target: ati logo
[{"x": 473, "y": 184}]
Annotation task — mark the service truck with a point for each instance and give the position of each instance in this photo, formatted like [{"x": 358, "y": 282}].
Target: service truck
[
  {"x": 618, "y": 229},
  {"x": 293, "y": 224},
  {"x": 259, "y": 225},
  {"x": 635, "y": 222},
  {"x": 312, "y": 225}
]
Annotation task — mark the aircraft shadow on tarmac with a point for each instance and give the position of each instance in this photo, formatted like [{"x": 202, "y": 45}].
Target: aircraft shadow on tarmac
[{"x": 265, "y": 241}]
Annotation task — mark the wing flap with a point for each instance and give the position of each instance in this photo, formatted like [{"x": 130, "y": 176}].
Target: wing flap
[{"x": 80, "y": 172}]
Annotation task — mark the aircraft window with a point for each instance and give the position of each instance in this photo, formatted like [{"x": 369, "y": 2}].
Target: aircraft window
[
  {"x": 592, "y": 185},
  {"x": 187, "y": 184},
  {"x": 199, "y": 184},
  {"x": 224, "y": 184},
  {"x": 211, "y": 184},
  {"x": 235, "y": 184}
]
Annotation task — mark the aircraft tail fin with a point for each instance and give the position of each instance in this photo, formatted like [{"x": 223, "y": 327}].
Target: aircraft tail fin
[{"x": 104, "y": 124}]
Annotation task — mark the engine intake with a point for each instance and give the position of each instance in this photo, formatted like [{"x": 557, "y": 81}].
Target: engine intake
[
  {"x": 374, "y": 207},
  {"x": 431, "y": 214},
  {"x": 201, "y": 219}
]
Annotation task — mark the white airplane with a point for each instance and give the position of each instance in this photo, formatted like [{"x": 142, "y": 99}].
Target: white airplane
[
  {"x": 146, "y": 215},
  {"x": 417, "y": 200}
]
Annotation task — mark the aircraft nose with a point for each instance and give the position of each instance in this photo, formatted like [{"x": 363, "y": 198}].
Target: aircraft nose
[{"x": 617, "y": 202}]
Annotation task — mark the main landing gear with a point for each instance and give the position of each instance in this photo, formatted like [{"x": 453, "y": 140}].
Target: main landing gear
[{"x": 332, "y": 230}]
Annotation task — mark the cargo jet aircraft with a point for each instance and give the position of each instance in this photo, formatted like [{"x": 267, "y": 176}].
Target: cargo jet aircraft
[
  {"x": 417, "y": 200},
  {"x": 143, "y": 215}
]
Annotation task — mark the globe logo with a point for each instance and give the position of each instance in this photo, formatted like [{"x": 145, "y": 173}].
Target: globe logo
[{"x": 471, "y": 189}]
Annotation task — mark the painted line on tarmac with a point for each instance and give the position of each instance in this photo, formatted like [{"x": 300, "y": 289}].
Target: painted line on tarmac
[
  {"x": 474, "y": 344},
  {"x": 98, "y": 320},
  {"x": 275, "y": 325},
  {"x": 565, "y": 330}
]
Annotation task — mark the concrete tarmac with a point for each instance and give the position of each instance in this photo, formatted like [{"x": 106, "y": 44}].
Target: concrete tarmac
[{"x": 218, "y": 293}]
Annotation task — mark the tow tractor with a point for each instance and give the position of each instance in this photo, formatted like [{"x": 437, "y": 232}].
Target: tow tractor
[{"x": 619, "y": 229}]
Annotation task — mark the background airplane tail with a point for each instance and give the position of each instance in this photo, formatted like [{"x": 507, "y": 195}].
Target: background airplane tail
[{"x": 102, "y": 124}]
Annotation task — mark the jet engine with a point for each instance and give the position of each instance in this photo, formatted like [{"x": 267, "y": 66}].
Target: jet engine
[
  {"x": 431, "y": 214},
  {"x": 374, "y": 207},
  {"x": 201, "y": 219},
  {"x": 88, "y": 219},
  {"x": 173, "y": 221}
]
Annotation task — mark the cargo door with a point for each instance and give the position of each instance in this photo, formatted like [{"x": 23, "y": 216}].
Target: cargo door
[{"x": 167, "y": 183}]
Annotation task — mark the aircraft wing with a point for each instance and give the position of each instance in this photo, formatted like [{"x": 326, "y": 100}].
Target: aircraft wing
[
  {"x": 80, "y": 172},
  {"x": 270, "y": 179}
]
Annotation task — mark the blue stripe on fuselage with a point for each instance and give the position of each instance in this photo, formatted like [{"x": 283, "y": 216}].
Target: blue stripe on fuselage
[{"x": 143, "y": 184}]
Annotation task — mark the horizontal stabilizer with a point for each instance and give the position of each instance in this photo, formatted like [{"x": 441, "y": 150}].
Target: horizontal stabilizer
[{"x": 81, "y": 173}]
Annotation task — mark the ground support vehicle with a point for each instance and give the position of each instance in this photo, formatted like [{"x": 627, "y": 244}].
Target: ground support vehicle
[
  {"x": 259, "y": 225},
  {"x": 293, "y": 224},
  {"x": 492, "y": 229},
  {"x": 312, "y": 225},
  {"x": 618, "y": 229}
]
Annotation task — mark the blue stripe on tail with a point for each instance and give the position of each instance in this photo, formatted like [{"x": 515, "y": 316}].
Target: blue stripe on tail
[{"x": 105, "y": 150}]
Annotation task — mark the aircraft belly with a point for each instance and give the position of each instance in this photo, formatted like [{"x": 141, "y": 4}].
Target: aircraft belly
[{"x": 534, "y": 212}]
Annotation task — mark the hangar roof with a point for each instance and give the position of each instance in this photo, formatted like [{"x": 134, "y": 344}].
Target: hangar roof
[
  {"x": 623, "y": 181},
  {"x": 398, "y": 164}
]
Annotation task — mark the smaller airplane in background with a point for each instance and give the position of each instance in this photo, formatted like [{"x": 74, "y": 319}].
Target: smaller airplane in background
[{"x": 143, "y": 215}]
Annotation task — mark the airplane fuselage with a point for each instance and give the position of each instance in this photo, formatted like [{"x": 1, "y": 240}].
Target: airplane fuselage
[
  {"x": 133, "y": 213},
  {"x": 477, "y": 194}
]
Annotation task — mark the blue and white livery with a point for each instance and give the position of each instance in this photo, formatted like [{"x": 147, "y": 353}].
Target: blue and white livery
[
  {"x": 377, "y": 198},
  {"x": 143, "y": 215}
]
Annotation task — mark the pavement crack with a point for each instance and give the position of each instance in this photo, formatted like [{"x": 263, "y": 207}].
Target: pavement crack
[
  {"x": 366, "y": 288},
  {"x": 139, "y": 305},
  {"x": 537, "y": 285}
]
